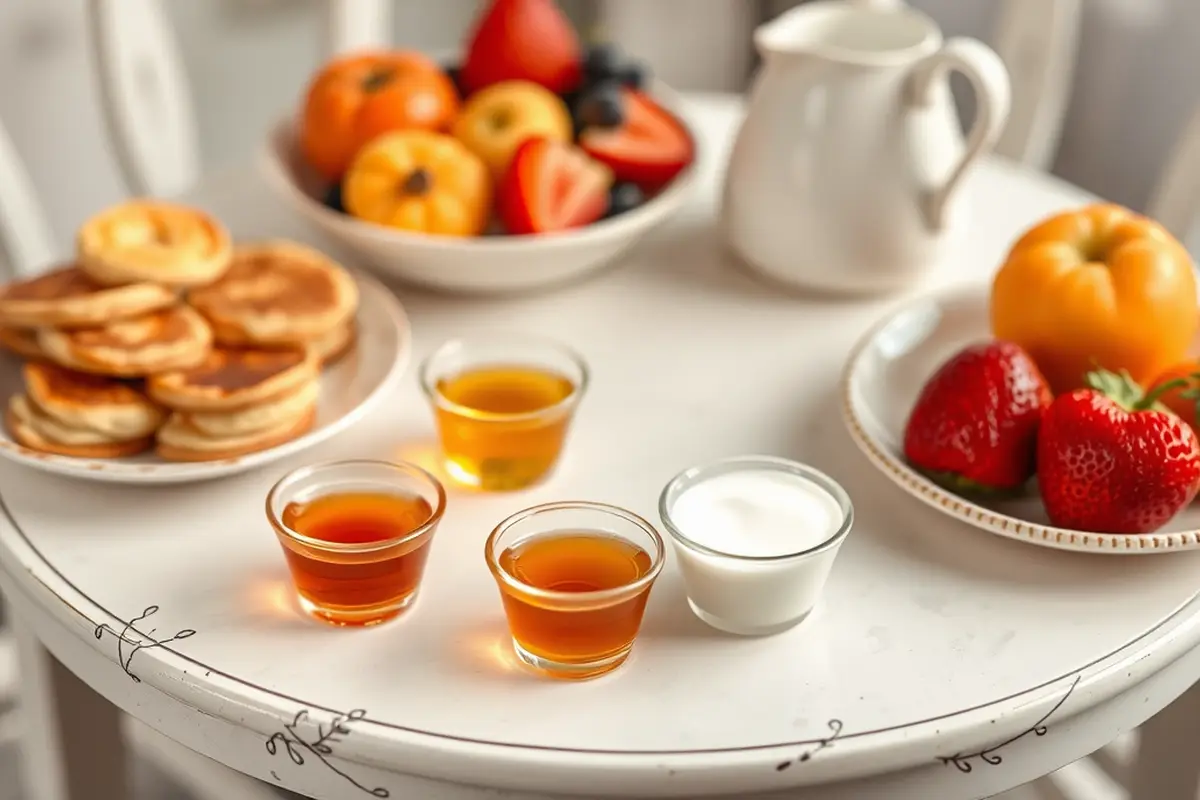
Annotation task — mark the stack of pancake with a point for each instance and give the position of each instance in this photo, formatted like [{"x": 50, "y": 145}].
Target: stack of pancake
[{"x": 163, "y": 332}]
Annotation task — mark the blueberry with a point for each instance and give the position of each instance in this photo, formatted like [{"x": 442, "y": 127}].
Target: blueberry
[
  {"x": 623, "y": 197},
  {"x": 454, "y": 73},
  {"x": 633, "y": 76},
  {"x": 602, "y": 107},
  {"x": 603, "y": 61},
  {"x": 333, "y": 198}
]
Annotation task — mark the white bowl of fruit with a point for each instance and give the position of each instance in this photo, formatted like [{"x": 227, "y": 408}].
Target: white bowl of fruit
[{"x": 534, "y": 163}]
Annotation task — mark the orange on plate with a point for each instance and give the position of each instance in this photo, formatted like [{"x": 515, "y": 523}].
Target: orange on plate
[
  {"x": 1099, "y": 287},
  {"x": 355, "y": 99}
]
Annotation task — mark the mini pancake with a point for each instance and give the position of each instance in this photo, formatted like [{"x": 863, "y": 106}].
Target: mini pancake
[
  {"x": 146, "y": 240},
  {"x": 21, "y": 342},
  {"x": 179, "y": 441},
  {"x": 92, "y": 402},
  {"x": 31, "y": 427},
  {"x": 277, "y": 293},
  {"x": 68, "y": 298},
  {"x": 251, "y": 419},
  {"x": 335, "y": 344},
  {"x": 175, "y": 338},
  {"x": 230, "y": 378}
]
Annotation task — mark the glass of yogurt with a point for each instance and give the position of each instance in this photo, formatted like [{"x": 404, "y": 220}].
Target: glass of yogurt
[{"x": 755, "y": 538}]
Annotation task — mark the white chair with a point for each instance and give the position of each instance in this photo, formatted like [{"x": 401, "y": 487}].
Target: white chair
[
  {"x": 53, "y": 712},
  {"x": 144, "y": 93},
  {"x": 1176, "y": 199}
]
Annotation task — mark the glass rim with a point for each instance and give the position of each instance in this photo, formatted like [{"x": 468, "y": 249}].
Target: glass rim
[
  {"x": 693, "y": 476},
  {"x": 400, "y": 467},
  {"x": 658, "y": 558},
  {"x": 429, "y": 382}
]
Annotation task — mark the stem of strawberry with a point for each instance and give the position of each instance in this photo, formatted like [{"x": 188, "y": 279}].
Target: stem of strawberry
[
  {"x": 1125, "y": 391},
  {"x": 1158, "y": 391}
]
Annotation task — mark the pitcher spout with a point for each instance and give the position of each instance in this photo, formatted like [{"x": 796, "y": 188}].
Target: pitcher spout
[{"x": 866, "y": 34}]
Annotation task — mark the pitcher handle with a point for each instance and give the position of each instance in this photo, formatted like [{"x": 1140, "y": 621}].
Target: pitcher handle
[{"x": 989, "y": 79}]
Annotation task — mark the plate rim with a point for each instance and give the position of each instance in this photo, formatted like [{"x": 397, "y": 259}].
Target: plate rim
[
  {"x": 114, "y": 471},
  {"x": 964, "y": 509}
]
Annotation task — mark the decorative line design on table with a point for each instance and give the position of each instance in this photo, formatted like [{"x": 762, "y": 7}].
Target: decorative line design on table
[
  {"x": 130, "y": 640},
  {"x": 296, "y": 745},
  {"x": 989, "y": 755},
  {"x": 835, "y": 730},
  {"x": 100, "y": 608}
]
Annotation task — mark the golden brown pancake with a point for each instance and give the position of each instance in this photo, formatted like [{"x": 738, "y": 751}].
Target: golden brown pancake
[
  {"x": 146, "y": 240},
  {"x": 230, "y": 378},
  {"x": 175, "y": 338},
  {"x": 21, "y": 342},
  {"x": 268, "y": 414},
  {"x": 107, "y": 406},
  {"x": 68, "y": 298},
  {"x": 31, "y": 427},
  {"x": 277, "y": 293},
  {"x": 179, "y": 441},
  {"x": 335, "y": 344}
]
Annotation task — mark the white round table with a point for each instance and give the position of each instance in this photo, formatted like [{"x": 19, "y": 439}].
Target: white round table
[{"x": 943, "y": 662}]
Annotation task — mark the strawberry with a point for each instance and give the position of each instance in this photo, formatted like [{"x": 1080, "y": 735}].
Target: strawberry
[
  {"x": 648, "y": 149},
  {"x": 552, "y": 186},
  {"x": 974, "y": 426},
  {"x": 1111, "y": 459},
  {"x": 523, "y": 40}
]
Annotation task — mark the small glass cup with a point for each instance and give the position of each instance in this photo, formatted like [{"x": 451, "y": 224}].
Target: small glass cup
[
  {"x": 574, "y": 578},
  {"x": 358, "y": 583},
  {"x": 503, "y": 405},
  {"x": 755, "y": 595}
]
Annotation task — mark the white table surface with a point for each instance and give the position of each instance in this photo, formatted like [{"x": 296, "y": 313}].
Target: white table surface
[{"x": 948, "y": 659}]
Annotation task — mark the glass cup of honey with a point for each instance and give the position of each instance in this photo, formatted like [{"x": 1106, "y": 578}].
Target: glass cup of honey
[
  {"x": 503, "y": 405},
  {"x": 356, "y": 536},
  {"x": 574, "y": 578}
]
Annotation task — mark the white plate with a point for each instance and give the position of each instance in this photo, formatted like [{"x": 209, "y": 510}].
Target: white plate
[
  {"x": 349, "y": 389},
  {"x": 881, "y": 383}
]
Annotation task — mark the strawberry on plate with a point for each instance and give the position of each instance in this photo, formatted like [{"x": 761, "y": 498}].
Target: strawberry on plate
[
  {"x": 1111, "y": 459},
  {"x": 552, "y": 186},
  {"x": 975, "y": 424},
  {"x": 648, "y": 149}
]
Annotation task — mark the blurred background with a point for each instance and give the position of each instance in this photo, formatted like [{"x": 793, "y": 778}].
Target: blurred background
[
  {"x": 1132, "y": 94},
  {"x": 247, "y": 61}
]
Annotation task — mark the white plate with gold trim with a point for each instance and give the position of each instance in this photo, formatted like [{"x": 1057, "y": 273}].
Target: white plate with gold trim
[
  {"x": 881, "y": 383},
  {"x": 350, "y": 388}
]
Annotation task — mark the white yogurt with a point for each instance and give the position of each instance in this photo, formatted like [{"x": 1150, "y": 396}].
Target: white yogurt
[
  {"x": 757, "y": 516},
  {"x": 757, "y": 513}
]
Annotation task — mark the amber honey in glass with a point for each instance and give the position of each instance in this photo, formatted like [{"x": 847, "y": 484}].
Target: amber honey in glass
[
  {"x": 574, "y": 579},
  {"x": 356, "y": 536},
  {"x": 503, "y": 406}
]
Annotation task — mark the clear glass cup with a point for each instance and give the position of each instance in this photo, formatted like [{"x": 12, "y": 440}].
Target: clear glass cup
[
  {"x": 755, "y": 595},
  {"x": 376, "y": 522},
  {"x": 574, "y": 579},
  {"x": 503, "y": 405}
]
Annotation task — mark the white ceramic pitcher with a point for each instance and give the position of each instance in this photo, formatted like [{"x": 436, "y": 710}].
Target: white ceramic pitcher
[{"x": 846, "y": 173}]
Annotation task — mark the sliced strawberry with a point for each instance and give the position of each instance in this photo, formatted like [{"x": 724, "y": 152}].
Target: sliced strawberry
[
  {"x": 552, "y": 186},
  {"x": 649, "y": 149}
]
